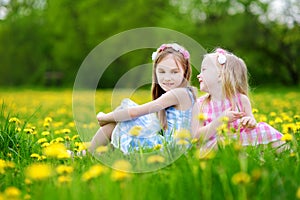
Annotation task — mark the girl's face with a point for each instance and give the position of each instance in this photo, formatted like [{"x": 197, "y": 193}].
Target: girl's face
[
  {"x": 169, "y": 74},
  {"x": 209, "y": 76}
]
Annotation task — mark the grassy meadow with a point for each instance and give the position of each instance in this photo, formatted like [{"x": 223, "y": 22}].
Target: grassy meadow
[{"x": 37, "y": 126}]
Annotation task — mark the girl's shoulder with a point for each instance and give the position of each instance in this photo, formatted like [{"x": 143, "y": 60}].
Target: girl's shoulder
[
  {"x": 244, "y": 99},
  {"x": 202, "y": 98}
]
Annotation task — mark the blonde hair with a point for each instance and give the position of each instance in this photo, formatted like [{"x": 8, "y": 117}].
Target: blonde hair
[
  {"x": 181, "y": 60},
  {"x": 234, "y": 75}
]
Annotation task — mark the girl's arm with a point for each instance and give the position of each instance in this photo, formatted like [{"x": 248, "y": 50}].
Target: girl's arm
[
  {"x": 209, "y": 130},
  {"x": 248, "y": 120},
  {"x": 170, "y": 98}
]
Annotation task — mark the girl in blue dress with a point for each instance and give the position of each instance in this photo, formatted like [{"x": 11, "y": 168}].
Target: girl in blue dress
[{"x": 132, "y": 126}]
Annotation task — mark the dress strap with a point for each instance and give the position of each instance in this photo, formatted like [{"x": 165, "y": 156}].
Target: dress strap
[{"x": 190, "y": 92}]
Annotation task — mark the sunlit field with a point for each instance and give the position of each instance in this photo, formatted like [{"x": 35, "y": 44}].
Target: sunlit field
[{"x": 37, "y": 127}]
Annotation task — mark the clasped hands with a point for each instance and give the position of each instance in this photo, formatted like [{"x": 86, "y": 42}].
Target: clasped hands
[
  {"x": 245, "y": 121},
  {"x": 101, "y": 119}
]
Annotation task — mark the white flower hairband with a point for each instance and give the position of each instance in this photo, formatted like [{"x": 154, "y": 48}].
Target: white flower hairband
[
  {"x": 174, "y": 46},
  {"x": 221, "y": 56}
]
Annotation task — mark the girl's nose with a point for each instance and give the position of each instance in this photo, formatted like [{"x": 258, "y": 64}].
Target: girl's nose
[{"x": 199, "y": 76}]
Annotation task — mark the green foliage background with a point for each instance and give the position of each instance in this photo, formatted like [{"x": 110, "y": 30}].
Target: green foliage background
[{"x": 44, "y": 42}]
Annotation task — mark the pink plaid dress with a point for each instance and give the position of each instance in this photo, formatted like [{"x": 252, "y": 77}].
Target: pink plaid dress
[{"x": 263, "y": 133}]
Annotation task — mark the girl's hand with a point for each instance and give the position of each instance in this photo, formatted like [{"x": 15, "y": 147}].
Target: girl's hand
[
  {"x": 233, "y": 115},
  {"x": 100, "y": 118},
  {"x": 248, "y": 122}
]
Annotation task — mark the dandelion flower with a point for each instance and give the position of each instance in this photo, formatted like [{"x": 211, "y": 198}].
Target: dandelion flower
[
  {"x": 28, "y": 130},
  {"x": 38, "y": 171},
  {"x": 45, "y": 133},
  {"x": 155, "y": 159},
  {"x": 119, "y": 175},
  {"x": 14, "y": 120},
  {"x": 287, "y": 137},
  {"x": 182, "y": 142},
  {"x": 135, "y": 130},
  {"x": 93, "y": 172},
  {"x": 157, "y": 147},
  {"x": 42, "y": 140},
  {"x": 64, "y": 179},
  {"x": 57, "y": 150},
  {"x": 12, "y": 193},
  {"x": 122, "y": 165},
  {"x": 182, "y": 134},
  {"x": 48, "y": 119},
  {"x": 202, "y": 117},
  {"x": 240, "y": 178},
  {"x": 298, "y": 193},
  {"x": 63, "y": 169},
  {"x": 102, "y": 149}
]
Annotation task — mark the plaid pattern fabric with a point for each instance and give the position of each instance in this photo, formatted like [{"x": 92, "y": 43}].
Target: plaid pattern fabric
[
  {"x": 149, "y": 135},
  {"x": 263, "y": 133}
]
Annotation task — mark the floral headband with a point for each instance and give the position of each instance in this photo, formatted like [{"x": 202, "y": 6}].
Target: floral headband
[
  {"x": 174, "y": 46},
  {"x": 221, "y": 56}
]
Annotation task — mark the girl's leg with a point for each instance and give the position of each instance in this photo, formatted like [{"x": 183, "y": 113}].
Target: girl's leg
[{"x": 102, "y": 136}]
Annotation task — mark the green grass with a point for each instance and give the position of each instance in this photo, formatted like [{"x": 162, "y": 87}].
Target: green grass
[{"x": 231, "y": 172}]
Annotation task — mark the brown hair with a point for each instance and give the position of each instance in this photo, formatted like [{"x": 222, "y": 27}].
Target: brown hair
[{"x": 180, "y": 60}]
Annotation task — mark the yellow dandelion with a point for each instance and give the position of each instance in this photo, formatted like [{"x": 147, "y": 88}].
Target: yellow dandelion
[
  {"x": 42, "y": 140},
  {"x": 195, "y": 140},
  {"x": 27, "y": 197},
  {"x": 296, "y": 117},
  {"x": 155, "y": 159},
  {"x": 56, "y": 132},
  {"x": 240, "y": 178},
  {"x": 256, "y": 174},
  {"x": 71, "y": 124},
  {"x": 35, "y": 155},
  {"x": 67, "y": 138},
  {"x": 66, "y": 131},
  {"x": 182, "y": 142},
  {"x": 45, "y": 144},
  {"x": 12, "y": 193},
  {"x": 56, "y": 150},
  {"x": 254, "y": 110},
  {"x": 14, "y": 120},
  {"x": 135, "y": 130},
  {"x": 102, "y": 149},
  {"x": 28, "y": 181},
  {"x": 63, "y": 169},
  {"x": 48, "y": 119},
  {"x": 287, "y": 137},
  {"x": 182, "y": 134},
  {"x": 278, "y": 120},
  {"x": 93, "y": 172},
  {"x": 74, "y": 137},
  {"x": 46, "y": 125},
  {"x": 202, "y": 117},
  {"x": 45, "y": 133},
  {"x": 38, "y": 171},
  {"x": 28, "y": 130},
  {"x": 119, "y": 175},
  {"x": 18, "y": 129},
  {"x": 273, "y": 114},
  {"x": 57, "y": 140},
  {"x": 298, "y": 193},
  {"x": 64, "y": 179},
  {"x": 224, "y": 119},
  {"x": 122, "y": 165},
  {"x": 205, "y": 154},
  {"x": 157, "y": 147}
]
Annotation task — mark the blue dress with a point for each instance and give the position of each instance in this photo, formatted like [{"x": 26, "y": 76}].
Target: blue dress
[{"x": 150, "y": 127}]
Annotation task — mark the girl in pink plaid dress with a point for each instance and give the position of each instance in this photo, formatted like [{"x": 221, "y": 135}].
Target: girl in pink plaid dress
[{"x": 224, "y": 78}]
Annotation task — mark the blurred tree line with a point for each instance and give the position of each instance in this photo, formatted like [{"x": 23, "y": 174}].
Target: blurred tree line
[{"x": 44, "y": 42}]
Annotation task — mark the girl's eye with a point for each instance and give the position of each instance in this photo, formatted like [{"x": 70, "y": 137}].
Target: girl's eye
[{"x": 175, "y": 72}]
